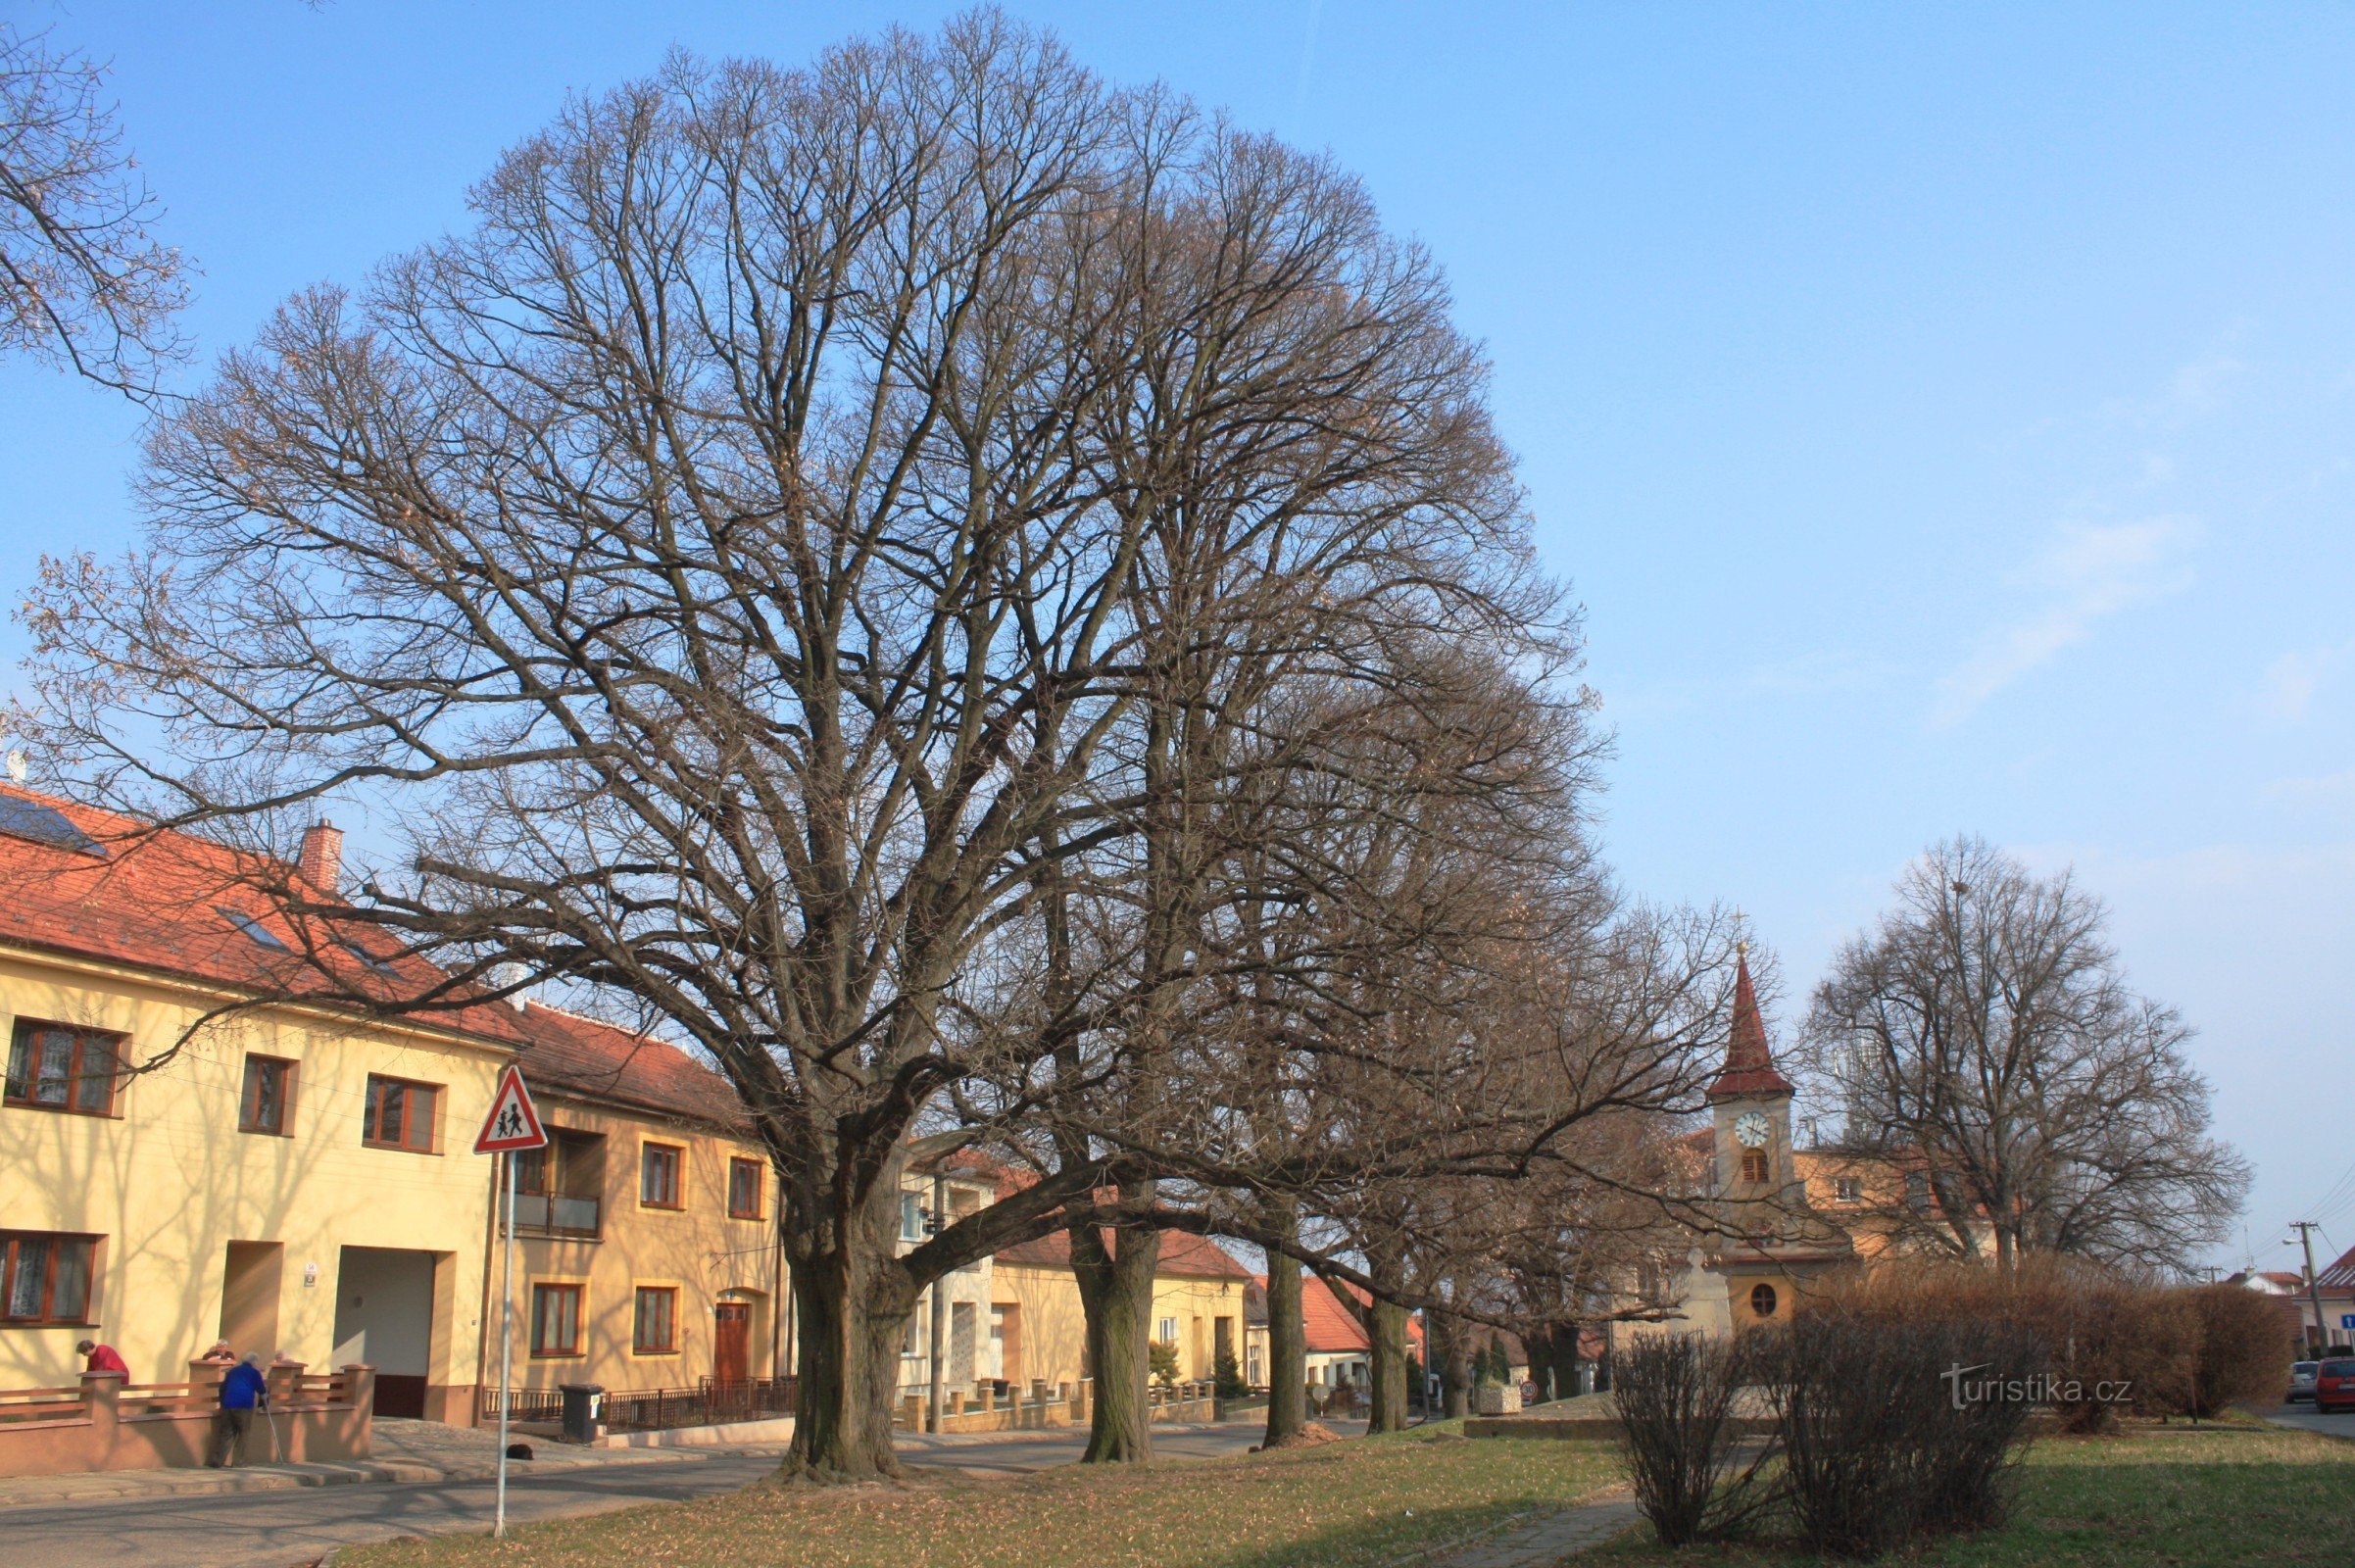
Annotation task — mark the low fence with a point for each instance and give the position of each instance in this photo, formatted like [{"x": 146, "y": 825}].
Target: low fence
[
  {"x": 104, "y": 1423},
  {"x": 711, "y": 1402}
]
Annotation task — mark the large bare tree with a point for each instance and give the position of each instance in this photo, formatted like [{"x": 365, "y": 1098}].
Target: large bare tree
[
  {"x": 1987, "y": 1049},
  {"x": 727, "y": 569}
]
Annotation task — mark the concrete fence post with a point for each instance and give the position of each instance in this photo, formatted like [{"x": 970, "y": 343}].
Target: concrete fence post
[
  {"x": 101, "y": 1397},
  {"x": 988, "y": 1397}
]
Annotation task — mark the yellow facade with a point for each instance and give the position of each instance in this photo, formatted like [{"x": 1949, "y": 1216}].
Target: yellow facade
[
  {"x": 697, "y": 1251},
  {"x": 1202, "y": 1314},
  {"x": 204, "y": 1231}
]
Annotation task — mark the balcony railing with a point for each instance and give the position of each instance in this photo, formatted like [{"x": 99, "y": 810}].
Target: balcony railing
[{"x": 546, "y": 1214}]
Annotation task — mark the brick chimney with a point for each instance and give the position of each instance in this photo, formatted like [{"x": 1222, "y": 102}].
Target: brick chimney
[{"x": 321, "y": 861}]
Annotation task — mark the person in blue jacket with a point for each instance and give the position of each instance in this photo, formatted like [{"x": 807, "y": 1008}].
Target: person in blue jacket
[{"x": 244, "y": 1391}]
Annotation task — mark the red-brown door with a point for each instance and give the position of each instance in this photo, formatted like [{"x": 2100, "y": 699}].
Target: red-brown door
[{"x": 732, "y": 1341}]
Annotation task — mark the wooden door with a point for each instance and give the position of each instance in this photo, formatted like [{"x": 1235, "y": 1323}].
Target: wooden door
[{"x": 732, "y": 1341}]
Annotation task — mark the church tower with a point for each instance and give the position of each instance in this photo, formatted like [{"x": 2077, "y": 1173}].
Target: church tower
[{"x": 1749, "y": 1104}]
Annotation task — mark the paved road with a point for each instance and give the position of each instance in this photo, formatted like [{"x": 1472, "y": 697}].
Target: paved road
[
  {"x": 282, "y": 1528},
  {"x": 2303, "y": 1414}
]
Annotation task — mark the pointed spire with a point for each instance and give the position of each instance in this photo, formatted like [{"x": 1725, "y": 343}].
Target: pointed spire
[{"x": 1749, "y": 1069}]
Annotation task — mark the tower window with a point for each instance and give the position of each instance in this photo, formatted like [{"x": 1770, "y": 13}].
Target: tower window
[
  {"x": 1762, "y": 1300},
  {"x": 1753, "y": 1166}
]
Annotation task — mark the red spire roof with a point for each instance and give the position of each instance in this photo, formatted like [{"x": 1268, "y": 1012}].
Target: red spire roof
[{"x": 1750, "y": 1068}]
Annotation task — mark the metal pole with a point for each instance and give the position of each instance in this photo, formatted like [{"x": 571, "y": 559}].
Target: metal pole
[
  {"x": 507, "y": 1343},
  {"x": 940, "y": 1321}
]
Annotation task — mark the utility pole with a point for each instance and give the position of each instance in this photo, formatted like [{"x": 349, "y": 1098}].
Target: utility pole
[
  {"x": 940, "y": 1318},
  {"x": 2314, "y": 1290}
]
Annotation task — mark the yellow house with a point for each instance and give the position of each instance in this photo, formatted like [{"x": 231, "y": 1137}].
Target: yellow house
[
  {"x": 185, "y": 1159},
  {"x": 1198, "y": 1305},
  {"x": 647, "y": 1252}
]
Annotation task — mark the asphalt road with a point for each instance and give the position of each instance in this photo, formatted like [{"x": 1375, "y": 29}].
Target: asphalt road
[
  {"x": 2303, "y": 1414},
  {"x": 283, "y": 1528}
]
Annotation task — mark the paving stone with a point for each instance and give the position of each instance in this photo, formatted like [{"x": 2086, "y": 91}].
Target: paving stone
[{"x": 1550, "y": 1539}]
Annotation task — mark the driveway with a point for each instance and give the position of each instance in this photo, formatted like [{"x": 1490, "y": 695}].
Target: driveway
[{"x": 283, "y": 1528}]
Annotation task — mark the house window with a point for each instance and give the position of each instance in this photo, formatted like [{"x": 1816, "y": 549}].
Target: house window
[
  {"x": 1168, "y": 1334},
  {"x": 1917, "y": 1190},
  {"x": 744, "y": 1189},
  {"x": 53, "y": 1067},
  {"x": 399, "y": 1114},
  {"x": 654, "y": 1331},
  {"x": 658, "y": 1175},
  {"x": 555, "y": 1320},
  {"x": 911, "y": 1219},
  {"x": 1849, "y": 1189},
  {"x": 1762, "y": 1300},
  {"x": 260, "y": 935},
  {"x": 558, "y": 1187},
  {"x": 268, "y": 1102},
  {"x": 1753, "y": 1165},
  {"x": 45, "y": 1278}
]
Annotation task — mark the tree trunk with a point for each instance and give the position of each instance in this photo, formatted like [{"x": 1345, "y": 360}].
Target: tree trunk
[
  {"x": 1116, "y": 1294},
  {"x": 1287, "y": 1338},
  {"x": 849, "y": 1315},
  {"x": 1389, "y": 1373}
]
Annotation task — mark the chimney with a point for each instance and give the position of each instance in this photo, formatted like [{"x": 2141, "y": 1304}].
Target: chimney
[{"x": 321, "y": 861}]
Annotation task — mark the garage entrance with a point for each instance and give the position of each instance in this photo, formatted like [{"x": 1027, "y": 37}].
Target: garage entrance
[{"x": 384, "y": 1319}]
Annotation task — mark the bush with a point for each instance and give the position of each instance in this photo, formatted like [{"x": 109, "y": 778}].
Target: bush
[
  {"x": 1676, "y": 1395},
  {"x": 1161, "y": 1362},
  {"x": 1884, "y": 1439},
  {"x": 1227, "y": 1373},
  {"x": 2242, "y": 1352}
]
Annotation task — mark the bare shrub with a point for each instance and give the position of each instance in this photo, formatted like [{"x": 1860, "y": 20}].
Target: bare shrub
[
  {"x": 1879, "y": 1442},
  {"x": 1677, "y": 1427},
  {"x": 2242, "y": 1354}
]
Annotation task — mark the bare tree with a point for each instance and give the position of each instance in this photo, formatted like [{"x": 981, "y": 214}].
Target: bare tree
[
  {"x": 82, "y": 279},
  {"x": 723, "y": 567},
  {"x": 1990, "y": 1055}
]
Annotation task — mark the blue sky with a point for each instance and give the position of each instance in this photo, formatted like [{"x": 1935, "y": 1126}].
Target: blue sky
[{"x": 1945, "y": 415}]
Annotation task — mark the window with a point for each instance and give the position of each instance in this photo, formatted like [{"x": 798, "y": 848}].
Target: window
[
  {"x": 1762, "y": 1300},
  {"x": 911, "y": 1219},
  {"x": 558, "y": 1187},
  {"x": 260, "y": 935},
  {"x": 379, "y": 966},
  {"x": 1753, "y": 1165},
  {"x": 269, "y": 1103},
  {"x": 744, "y": 1189},
  {"x": 45, "y": 1278},
  {"x": 654, "y": 1331},
  {"x": 399, "y": 1114},
  {"x": 1168, "y": 1334},
  {"x": 1849, "y": 1189},
  {"x": 555, "y": 1320},
  {"x": 658, "y": 1175},
  {"x": 1917, "y": 1190},
  {"x": 58, "y": 1068}
]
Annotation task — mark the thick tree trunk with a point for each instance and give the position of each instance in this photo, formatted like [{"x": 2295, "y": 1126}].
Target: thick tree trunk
[
  {"x": 848, "y": 1333},
  {"x": 1451, "y": 1351},
  {"x": 1389, "y": 1338},
  {"x": 1116, "y": 1294},
  {"x": 1287, "y": 1338}
]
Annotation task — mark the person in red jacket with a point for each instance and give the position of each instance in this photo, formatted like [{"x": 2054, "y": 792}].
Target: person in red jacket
[{"x": 102, "y": 1357}]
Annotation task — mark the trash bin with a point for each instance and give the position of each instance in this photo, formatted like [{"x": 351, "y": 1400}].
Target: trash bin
[{"x": 581, "y": 1410}]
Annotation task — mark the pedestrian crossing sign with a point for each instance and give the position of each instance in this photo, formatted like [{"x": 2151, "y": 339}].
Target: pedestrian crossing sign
[{"x": 512, "y": 1124}]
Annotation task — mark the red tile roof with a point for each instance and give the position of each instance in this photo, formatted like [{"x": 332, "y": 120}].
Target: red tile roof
[
  {"x": 1184, "y": 1255},
  {"x": 570, "y": 1055},
  {"x": 161, "y": 902},
  {"x": 1749, "y": 1067},
  {"x": 2340, "y": 1276},
  {"x": 1333, "y": 1329}
]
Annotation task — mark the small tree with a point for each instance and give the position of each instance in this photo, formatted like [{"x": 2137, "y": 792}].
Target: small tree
[
  {"x": 1227, "y": 1373},
  {"x": 1163, "y": 1358}
]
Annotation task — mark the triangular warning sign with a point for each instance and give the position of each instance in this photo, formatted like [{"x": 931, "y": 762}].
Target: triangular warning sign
[{"x": 512, "y": 1124}]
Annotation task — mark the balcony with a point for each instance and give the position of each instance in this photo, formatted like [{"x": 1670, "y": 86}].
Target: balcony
[{"x": 555, "y": 1215}]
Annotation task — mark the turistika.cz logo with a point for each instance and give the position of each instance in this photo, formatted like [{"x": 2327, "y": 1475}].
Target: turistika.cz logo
[{"x": 1966, "y": 1389}]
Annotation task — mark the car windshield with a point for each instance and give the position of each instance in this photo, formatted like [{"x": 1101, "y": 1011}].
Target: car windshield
[
  {"x": 2337, "y": 1369},
  {"x": 2306, "y": 1368}
]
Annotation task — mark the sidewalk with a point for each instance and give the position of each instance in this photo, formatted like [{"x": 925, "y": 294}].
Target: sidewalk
[
  {"x": 1550, "y": 1539},
  {"x": 405, "y": 1451}
]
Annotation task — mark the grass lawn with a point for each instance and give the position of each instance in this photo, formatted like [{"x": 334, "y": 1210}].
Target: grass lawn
[
  {"x": 1368, "y": 1501},
  {"x": 2168, "y": 1496}
]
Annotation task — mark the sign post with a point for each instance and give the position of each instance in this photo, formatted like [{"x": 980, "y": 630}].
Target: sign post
[{"x": 513, "y": 1127}]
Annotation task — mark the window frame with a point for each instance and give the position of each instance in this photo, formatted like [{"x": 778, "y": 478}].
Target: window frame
[
  {"x": 638, "y": 1344},
  {"x": 11, "y": 1250},
  {"x": 22, "y": 1038},
  {"x": 372, "y": 1111},
  {"x": 649, "y": 1149},
  {"x": 1848, "y": 1190},
  {"x": 1774, "y": 1300},
  {"x": 246, "y": 1121},
  {"x": 1756, "y": 1168},
  {"x": 738, "y": 1163},
  {"x": 579, "y": 1292}
]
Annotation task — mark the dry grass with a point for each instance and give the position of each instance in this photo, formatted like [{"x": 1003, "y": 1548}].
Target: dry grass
[{"x": 1360, "y": 1501}]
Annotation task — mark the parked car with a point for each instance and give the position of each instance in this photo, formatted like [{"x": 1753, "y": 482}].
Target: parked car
[
  {"x": 2302, "y": 1380},
  {"x": 2335, "y": 1386}
]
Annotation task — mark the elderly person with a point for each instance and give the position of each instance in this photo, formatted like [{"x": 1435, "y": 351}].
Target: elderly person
[
  {"x": 244, "y": 1391},
  {"x": 220, "y": 1355},
  {"x": 102, "y": 1357}
]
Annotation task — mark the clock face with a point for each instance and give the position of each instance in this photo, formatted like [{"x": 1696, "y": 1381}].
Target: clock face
[{"x": 1751, "y": 1129}]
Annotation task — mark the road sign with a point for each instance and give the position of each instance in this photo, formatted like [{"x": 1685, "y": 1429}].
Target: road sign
[
  {"x": 2346, "y": 1320},
  {"x": 512, "y": 1124}
]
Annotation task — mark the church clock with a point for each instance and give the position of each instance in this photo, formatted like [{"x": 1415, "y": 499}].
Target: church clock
[{"x": 1751, "y": 1129}]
